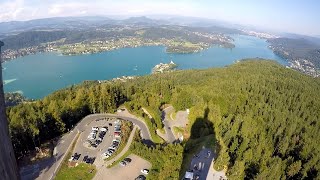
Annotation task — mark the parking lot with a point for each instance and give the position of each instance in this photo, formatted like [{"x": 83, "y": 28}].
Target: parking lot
[
  {"x": 95, "y": 152},
  {"x": 128, "y": 172},
  {"x": 201, "y": 163}
]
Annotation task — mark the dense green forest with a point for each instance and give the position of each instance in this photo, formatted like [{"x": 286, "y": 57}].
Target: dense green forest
[{"x": 265, "y": 117}]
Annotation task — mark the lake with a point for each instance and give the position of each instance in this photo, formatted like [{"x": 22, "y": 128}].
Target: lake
[{"x": 39, "y": 75}]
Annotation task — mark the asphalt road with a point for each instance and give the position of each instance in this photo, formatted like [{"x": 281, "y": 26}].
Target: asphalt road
[
  {"x": 202, "y": 162},
  {"x": 165, "y": 120},
  {"x": 144, "y": 131},
  {"x": 46, "y": 169}
]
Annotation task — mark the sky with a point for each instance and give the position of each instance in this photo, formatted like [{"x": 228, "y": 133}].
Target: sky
[{"x": 295, "y": 16}]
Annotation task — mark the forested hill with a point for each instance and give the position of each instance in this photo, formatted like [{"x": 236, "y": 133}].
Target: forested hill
[{"x": 265, "y": 117}]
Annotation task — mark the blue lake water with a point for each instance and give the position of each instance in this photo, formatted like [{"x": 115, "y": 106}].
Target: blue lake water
[{"x": 39, "y": 75}]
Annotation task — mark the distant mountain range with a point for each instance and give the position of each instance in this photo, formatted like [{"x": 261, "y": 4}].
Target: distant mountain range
[
  {"x": 59, "y": 23},
  {"x": 15, "y": 27}
]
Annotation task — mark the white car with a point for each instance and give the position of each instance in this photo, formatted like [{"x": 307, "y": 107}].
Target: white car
[
  {"x": 92, "y": 136},
  {"x": 103, "y": 129},
  {"x": 95, "y": 129},
  {"x": 145, "y": 171},
  {"x": 105, "y": 155}
]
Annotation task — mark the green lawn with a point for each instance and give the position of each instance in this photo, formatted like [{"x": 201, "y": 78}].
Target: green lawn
[
  {"x": 82, "y": 171},
  {"x": 154, "y": 136},
  {"x": 178, "y": 130}
]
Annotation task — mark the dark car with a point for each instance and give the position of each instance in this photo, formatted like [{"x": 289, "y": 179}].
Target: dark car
[
  {"x": 102, "y": 134},
  {"x": 94, "y": 145},
  {"x": 92, "y": 160},
  {"x": 111, "y": 150},
  {"x": 98, "y": 141},
  {"x": 88, "y": 160},
  {"x": 85, "y": 158},
  {"x": 128, "y": 160},
  {"x": 115, "y": 143},
  {"x": 76, "y": 156},
  {"x": 141, "y": 177},
  {"x": 123, "y": 163}
]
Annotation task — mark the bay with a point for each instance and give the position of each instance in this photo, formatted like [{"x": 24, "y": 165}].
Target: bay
[{"x": 39, "y": 75}]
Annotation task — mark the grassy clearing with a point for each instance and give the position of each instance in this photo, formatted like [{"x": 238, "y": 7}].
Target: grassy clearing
[
  {"x": 152, "y": 130},
  {"x": 173, "y": 115},
  {"x": 82, "y": 171},
  {"x": 162, "y": 131},
  {"x": 178, "y": 130}
]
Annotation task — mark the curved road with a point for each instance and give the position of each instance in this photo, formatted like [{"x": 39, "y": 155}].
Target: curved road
[
  {"x": 166, "y": 119},
  {"x": 144, "y": 130}
]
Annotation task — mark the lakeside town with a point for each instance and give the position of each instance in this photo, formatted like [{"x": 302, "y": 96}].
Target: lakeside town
[
  {"x": 173, "y": 45},
  {"x": 297, "y": 63}
]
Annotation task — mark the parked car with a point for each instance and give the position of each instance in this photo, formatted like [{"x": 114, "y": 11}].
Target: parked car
[
  {"x": 95, "y": 129},
  {"x": 94, "y": 145},
  {"x": 91, "y": 137},
  {"x": 92, "y": 160},
  {"x": 85, "y": 158},
  {"x": 208, "y": 154},
  {"x": 76, "y": 156},
  {"x": 141, "y": 177},
  {"x": 102, "y": 134},
  {"x": 114, "y": 146},
  {"x": 98, "y": 141},
  {"x": 123, "y": 163},
  {"x": 105, "y": 155},
  {"x": 104, "y": 129},
  {"x": 117, "y": 128},
  {"x": 145, "y": 171},
  {"x": 128, "y": 160},
  {"x": 111, "y": 151},
  {"x": 88, "y": 160},
  {"x": 117, "y": 134}
]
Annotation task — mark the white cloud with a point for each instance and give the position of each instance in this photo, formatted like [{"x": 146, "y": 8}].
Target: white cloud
[
  {"x": 10, "y": 10},
  {"x": 31, "y": 9}
]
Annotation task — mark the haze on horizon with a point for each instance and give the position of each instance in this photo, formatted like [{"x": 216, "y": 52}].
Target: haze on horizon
[{"x": 292, "y": 16}]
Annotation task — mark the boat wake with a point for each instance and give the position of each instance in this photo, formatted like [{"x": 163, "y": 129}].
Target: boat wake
[{"x": 5, "y": 82}]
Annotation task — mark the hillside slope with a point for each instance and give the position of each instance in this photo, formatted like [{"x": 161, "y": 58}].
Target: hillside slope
[{"x": 265, "y": 117}]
